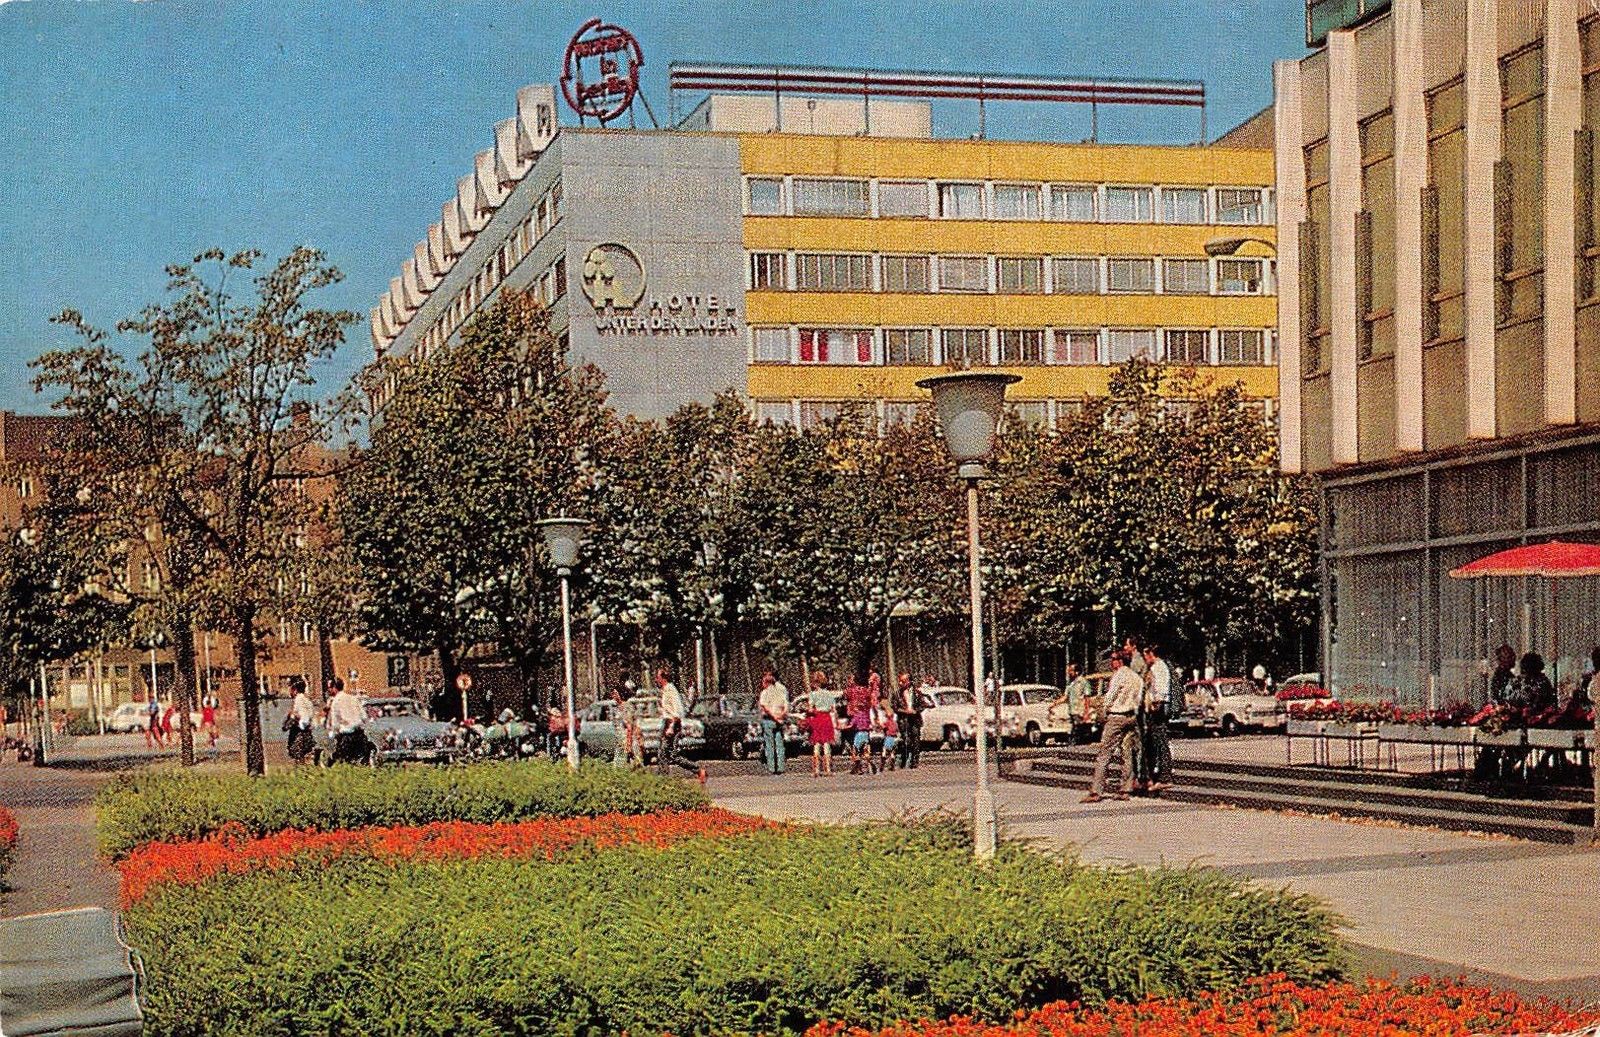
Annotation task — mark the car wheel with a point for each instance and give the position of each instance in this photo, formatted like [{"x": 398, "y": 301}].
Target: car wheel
[
  {"x": 1230, "y": 726},
  {"x": 1034, "y": 736},
  {"x": 738, "y": 750},
  {"x": 953, "y": 740},
  {"x": 321, "y": 759}
]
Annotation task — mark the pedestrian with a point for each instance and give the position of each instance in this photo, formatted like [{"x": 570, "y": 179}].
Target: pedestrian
[
  {"x": 774, "y": 706},
  {"x": 819, "y": 725},
  {"x": 302, "y": 714},
  {"x": 152, "y": 716},
  {"x": 555, "y": 731},
  {"x": 885, "y": 733},
  {"x": 166, "y": 718},
  {"x": 1133, "y": 656},
  {"x": 859, "y": 701},
  {"x": 208, "y": 720},
  {"x": 621, "y": 722},
  {"x": 1075, "y": 698},
  {"x": 347, "y": 721},
  {"x": 671, "y": 720},
  {"x": 1120, "y": 736},
  {"x": 1157, "y": 755},
  {"x": 908, "y": 718}
]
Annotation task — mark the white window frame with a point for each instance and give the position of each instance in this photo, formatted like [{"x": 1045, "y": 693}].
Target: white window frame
[
  {"x": 938, "y": 198},
  {"x": 793, "y": 185},
  {"x": 1099, "y": 347},
  {"x": 874, "y": 356},
  {"x": 883, "y": 267},
  {"x": 1207, "y": 351},
  {"x": 783, "y": 193},
  {"x": 1261, "y": 205},
  {"x": 1055, "y": 280},
  {"x": 1105, "y": 202},
  {"x": 988, "y": 344},
  {"x": 944, "y": 283},
  {"x": 1260, "y": 333},
  {"x": 1155, "y": 344},
  {"x": 933, "y": 346},
  {"x": 1038, "y": 200},
  {"x": 1001, "y": 289},
  {"x": 1204, "y": 262},
  {"x": 1175, "y": 189},
  {"x": 999, "y": 347},
  {"x": 783, "y": 271},
  {"x": 788, "y": 344},
  {"x": 832, "y": 257},
  {"x": 927, "y": 209},
  {"x": 1155, "y": 268},
  {"x": 1261, "y": 274},
  {"x": 1093, "y": 191}
]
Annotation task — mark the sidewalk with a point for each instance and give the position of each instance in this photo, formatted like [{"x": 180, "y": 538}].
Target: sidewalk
[
  {"x": 1508, "y": 913},
  {"x": 55, "y": 866}
]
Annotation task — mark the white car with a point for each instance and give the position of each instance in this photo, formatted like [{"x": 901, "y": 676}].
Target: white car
[
  {"x": 1029, "y": 712},
  {"x": 1230, "y": 705},
  {"x": 949, "y": 716},
  {"x": 130, "y": 716}
]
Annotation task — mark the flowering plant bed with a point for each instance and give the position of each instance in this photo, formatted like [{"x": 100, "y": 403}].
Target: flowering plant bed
[
  {"x": 1273, "y": 1006},
  {"x": 234, "y": 852},
  {"x": 8, "y": 841}
]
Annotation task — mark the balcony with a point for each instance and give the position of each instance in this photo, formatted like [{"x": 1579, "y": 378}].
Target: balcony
[{"x": 1323, "y": 16}]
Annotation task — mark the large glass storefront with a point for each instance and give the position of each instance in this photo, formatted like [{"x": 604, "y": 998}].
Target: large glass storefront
[{"x": 1398, "y": 627}]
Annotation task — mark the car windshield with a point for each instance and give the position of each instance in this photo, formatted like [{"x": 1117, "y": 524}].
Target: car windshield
[
  {"x": 382, "y": 710},
  {"x": 1235, "y": 688},
  {"x": 954, "y": 698},
  {"x": 1038, "y": 696}
]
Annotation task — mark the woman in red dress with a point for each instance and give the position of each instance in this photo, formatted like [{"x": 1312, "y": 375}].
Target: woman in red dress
[{"x": 819, "y": 725}]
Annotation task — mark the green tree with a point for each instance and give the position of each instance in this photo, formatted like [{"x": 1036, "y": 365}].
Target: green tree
[{"x": 206, "y": 426}]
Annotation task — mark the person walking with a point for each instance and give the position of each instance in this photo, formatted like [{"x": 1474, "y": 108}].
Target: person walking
[
  {"x": 1075, "y": 698},
  {"x": 1157, "y": 755},
  {"x": 819, "y": 725},
  {"x": 885, "y": 733},
  {"x": 1121, "y": 734},
  {"x": 302, "y": 714},
  {"x": 152, "y": 715},
  {"x": 347, "y": 722},
  {"x": 555, "y": 732},
  {"x": 859, "y": 700},
  {"x": 671, "y": 721},
  {"x": 908, "y": 718},
  {"x": 774, "y": 706},
  {"x": 622, "y": 724}
]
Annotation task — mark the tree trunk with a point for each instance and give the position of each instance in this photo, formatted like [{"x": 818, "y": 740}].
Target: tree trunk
[
  {"x": 255, "y": 760},
  {"x": 325, "y": 658},
  {"x": 183, "y": 656},
  {"x": 450, "y": 669}
]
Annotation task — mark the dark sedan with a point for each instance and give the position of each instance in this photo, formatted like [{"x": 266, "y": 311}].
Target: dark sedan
[{"x": 733, "y": 727}]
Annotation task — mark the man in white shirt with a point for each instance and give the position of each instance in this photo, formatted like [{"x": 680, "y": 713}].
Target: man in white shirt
[
  {"x": 774, "y": 706},
  {"x": 671, "y": 720},
  {"x": 303, "y": 714},
  {"x": 1157, "y": 756},
  {"x": 347, "y": 720},
  {"x": 1120, "y": 736}
]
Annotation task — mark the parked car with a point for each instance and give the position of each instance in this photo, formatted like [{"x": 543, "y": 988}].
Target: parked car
[
  {"x": 399, "y": 733},
  {"x": 732, "y": 731},
  {"x": 1028, "y": 712},
  {"x": 597, "y": 729},
  {"x": 949, "y": 716},
  {"x": 1229, "y": 705},
  {"x": 130, "y": 716}
]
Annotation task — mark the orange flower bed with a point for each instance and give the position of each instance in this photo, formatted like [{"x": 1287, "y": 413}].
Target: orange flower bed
[
  {"x": 233, "y": 852},
  {"x": 1273, "y": 1006},
  {"x": 8, "y": 836}
]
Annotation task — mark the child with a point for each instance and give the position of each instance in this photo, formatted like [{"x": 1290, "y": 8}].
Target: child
[{"x": 886, "y": 726}]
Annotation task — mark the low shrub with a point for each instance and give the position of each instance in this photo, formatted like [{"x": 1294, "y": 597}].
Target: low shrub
[
  {"x": 231, "y": 853},
  {"x": 769, "y": 932},
  {"x": 1271, "y": 1005},
  {"x": 170, "y": 805},
  {"x": 9, "y": 833}
]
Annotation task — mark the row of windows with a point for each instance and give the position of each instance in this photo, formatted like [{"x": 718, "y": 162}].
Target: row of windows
[
  {"x": 982, "y": 347},
  {"x": 985, "y": 199},
  {"x": 1007, "y": 275},
  {"x": 1049, "y": 414}
]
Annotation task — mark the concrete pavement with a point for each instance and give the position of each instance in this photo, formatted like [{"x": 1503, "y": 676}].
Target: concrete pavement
[{"x": 1513, "y": 914}]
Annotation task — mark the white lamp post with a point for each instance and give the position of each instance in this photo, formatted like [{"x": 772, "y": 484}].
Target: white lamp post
[
  {"x": 969, "y": 405},
  {"x": 562, "y": 536}
]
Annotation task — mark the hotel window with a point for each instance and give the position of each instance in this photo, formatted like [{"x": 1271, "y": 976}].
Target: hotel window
[
  {"x": 906, "y": 273},
  {"x": 1131, "y": 275},
  {"x": 1126, "y": 343},
  {"x": 1076, "y": 275},
  {"x": 25, "y": 486},
  {"x": 1032, "y": 413},
  {"x": 1240, "y": 348},
  {"x": 1239, "y": 277},
  {"x": 1240, "y": 205},
  {"x": 963, "y": 274},
  {"x": 526, "y": 233},
  {"x": 966, "y": 347},
  {"x": 961, "y": 201},
  {"x": 1588, "y": 222},
  {"x": 1519, "y": 187},
  {"x": 831, "y": 198},
  {"x": 561, "y": 276},
  {"x": 768, "y": 271},
  {"x": 1187, "y": 346},
  {"x": 1443, "y": 217},
  {"x": 774, "y": 412},
  {"x": 1375, "y": 239},
  {"x": 555, "y": 201},
  {"x": 1076, "y": 348},
  {"x": 150, "y": 575},
  {"x": 1021, "y": 346},
  {"x": 900, "y": 198},
  {"x": 900, "y": 413},
  {"x": 1020, "y": 275},
  {"x": 770, "y": 345},
  {"x": 833, "y": 272},
  {"x": 1186, "y": 277},
  {"x": 766, "y": 196},
  {"x": 542, "y": 212},
  {"x": 1183, "y": 205},
  {"x": 835, "y": 346},
  {"x": 1129, "y": 204},
  {"x": 819, "y": 412},
  {"x": 1077, "y": 203},
  {"x": 1016, "y": 201},
  {"x": 908, "y": 346}
]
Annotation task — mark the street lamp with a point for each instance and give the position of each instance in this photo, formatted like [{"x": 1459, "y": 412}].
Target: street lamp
[
  {"x": 969, "y": 405},
  {"x": 562, "y": 536}
]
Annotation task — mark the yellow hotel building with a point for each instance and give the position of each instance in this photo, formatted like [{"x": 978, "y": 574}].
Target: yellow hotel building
[{"x": 834, "y": 267}]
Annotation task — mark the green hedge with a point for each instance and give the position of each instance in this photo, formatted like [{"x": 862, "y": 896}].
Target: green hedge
[
  {"x": 766, "y": 933},
  {"x": 172, "y": 804}
]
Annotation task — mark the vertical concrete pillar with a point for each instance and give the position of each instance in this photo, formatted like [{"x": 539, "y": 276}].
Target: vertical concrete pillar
[
  {"x": 1563, "y": 100},
  {"x": 1344, "y": 200},
  {"x": 1410, "y": 176},
  {"x": 1483, "y": 151},
  {"x": 1291, "y": 178}
]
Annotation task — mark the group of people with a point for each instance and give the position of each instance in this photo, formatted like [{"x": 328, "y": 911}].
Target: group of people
[
  {"x": 343, "y": 716},
  {"x": 628, "y": 716},
  {"x": 878, "y": 731},
  {"x": 1138, "y": 701},
  {"x": 162, "y": 722}
]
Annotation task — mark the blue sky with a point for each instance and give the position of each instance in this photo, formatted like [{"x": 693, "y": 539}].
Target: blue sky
[{"x": 141, "y": 133}]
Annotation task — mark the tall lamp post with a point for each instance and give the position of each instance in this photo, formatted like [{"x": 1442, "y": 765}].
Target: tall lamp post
[
  {"x": 562, "y": 536},
  {"x": 969, "y": 405}
]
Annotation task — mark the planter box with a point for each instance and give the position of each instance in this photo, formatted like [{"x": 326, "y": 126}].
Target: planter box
[
  {"x": 1350, "y": 730},
  {"x": 1451, "y": 735},
  {"x": 1404, "y": 733},
  {"x": 1553, "y": 739},
  {"x": 1509, "y": 740},
  {"x": 1304, "y": 728}
]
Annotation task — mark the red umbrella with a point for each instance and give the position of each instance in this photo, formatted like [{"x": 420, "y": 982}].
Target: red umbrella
[{"x": 1551, "y": 560}]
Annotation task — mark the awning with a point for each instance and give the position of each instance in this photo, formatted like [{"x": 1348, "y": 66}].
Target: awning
[{"x": 1554, "y": 559}]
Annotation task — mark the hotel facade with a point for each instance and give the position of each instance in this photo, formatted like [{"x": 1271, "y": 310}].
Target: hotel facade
[
  {"x": 831, "y": 268},
  {"x": 1440, "y": 321}
]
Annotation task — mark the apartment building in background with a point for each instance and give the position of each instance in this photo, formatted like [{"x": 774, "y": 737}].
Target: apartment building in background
[
  {"x": 816, "y": 252},
  {"x": 1440, "y": 326}
]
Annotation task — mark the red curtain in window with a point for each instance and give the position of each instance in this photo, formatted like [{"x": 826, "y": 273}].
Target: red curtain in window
[
  {"x": 863, "y": 347},
  {"x": 809, "y": 342}
]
